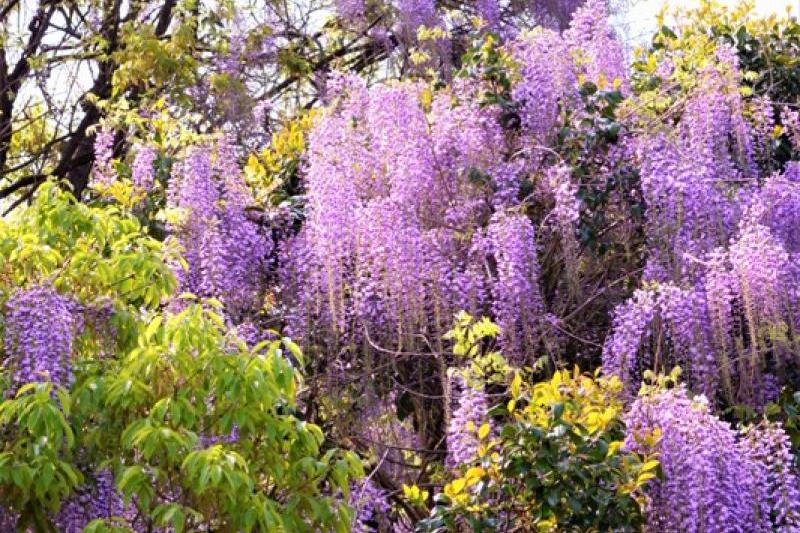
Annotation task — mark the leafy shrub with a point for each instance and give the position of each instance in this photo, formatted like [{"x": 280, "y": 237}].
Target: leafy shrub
[
  {"x": 197, "y": 428},
  {"x": 550, "y": 458}
]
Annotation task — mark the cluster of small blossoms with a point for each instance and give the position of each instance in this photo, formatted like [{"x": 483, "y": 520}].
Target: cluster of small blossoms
[
  {"x": 790, "y": 119},
  {"x": 777, "y": 206},
  {"x": 553, "y": 63},
  {"x": 467, "y": 417},
  {"x": 206, "y": 441},
  {"x": 249, "y": 51},
  {"x": 622, "y": 353},
  {"x": 770, "y": 447},
  {"x": 548, "y": 77},
  {"x": 391, "y": 198},
  {"x": 371, "y": 504},
  {"x": 8, "y": 520},
  {"x": 103, "y": 174},
  {"x": 415, "y": 13},
  {"x": 566, "y": 210},
  {"x": 751, "y": 290},
  {"x": 350, "y": 10},
  {"x": 225, "y": 249},
  {"x": 39, "y": 331},
  {"x": 591, "y": 38},
  {"x": 725, "y": 234},
  {"x": 517, "y": 306},
  {"x": 660, "y": 328},
  {"x": 694, "y": 181},
  {"x": 764, "y": 125},
  {"x": 725, "y": 332},
  {"x": 143, "y": 173},
  {"x": 760, "y": 263},
  {"x": 714, "y": 480},
  {"x": 95, "y": 500},
  {"x": 390, "y": 438}
]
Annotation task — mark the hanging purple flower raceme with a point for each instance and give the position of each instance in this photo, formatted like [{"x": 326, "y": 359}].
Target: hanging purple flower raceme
[
  {"x": 763, "y": 131},
  {"x": 777, "y": 205},
  {"x": 688, "y": 333},
  {"x": 98, "y": 499},
  {"x": 658, "y": 329},
  {"x": 392, "y": 192},
  {"x": 547, "y": 77},
  {"x": 467, "y": 417},
  {"x": 566, "y": 210},
  {"x": 246, "y": 247},
  {"x": 591, "y": 38},
  {"x": 143, "y": 173},
  {"x": 721, "y": 289},
  {"x": 225, "y": 249},
  {"x": 790, "y": 119},
  {"x": 770, "y": 447},
  {"x": 371, "y": 504},
  {"x": 711, "y": 482},
  {"x": 517, "y": 305},
  {"x": 489, "y": 11},
  {"x": 711, "y": 226},
  {"x": 103, "y": 173},
  {"x": 761, "y": 265},
  {"x": 695, "y": 180},
  {"x": 39, "y": 331},
  {"x": 193, "y": 192},
  {"x": 751, "y": 291},
  {"x": 630, "y": 329}
]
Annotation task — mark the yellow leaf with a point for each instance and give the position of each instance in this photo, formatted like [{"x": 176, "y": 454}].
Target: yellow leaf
[
  {"x": 649, "y": 465},
  {"x": 414, "y": 494},
  {"x": 546, "y": 525},
  {"x": 613, "y": 448},
  {"x": 426, "y": 98},
  {"x": 516, "y": 383},
  {"x": 512, "y": 404},
  {"x": 645, "y": 477},
  {"x": 474, "y": 475}
]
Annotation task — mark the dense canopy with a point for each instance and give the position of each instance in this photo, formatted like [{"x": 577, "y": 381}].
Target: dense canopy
[{"x": 397, "y": 266}]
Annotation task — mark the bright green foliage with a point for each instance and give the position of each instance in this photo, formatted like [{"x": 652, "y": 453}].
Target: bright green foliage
[
  {"x": 554, "y": 463},
  {"x": 36, "y": 463},
  {"x": 173, "y": 404},
  {"x": 185, "y": 380},
  {"x": 89, "y": 252},
  {"x": 767, "y": 48}
]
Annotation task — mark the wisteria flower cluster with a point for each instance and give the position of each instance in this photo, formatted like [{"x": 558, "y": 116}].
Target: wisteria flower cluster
[
  {"x": 714, "y": 479},
  {"x": 225, "y": 250},
  {"x": 39, "y": 332}
]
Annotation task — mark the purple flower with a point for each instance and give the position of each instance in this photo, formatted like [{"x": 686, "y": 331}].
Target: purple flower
[
  {"x": 225, "y": 249},
  {"x": 97, "y": 499},
  {"x": 39, "y": 331},
  {"x": 468, "y": 416},
  {"x": 142, "y": 174},
  {"x": 715, "y": 480},
  {"x": 517, "y": 306},
  {"x": 103, "y": 153},
  {"x": 371, "y": 504}
]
